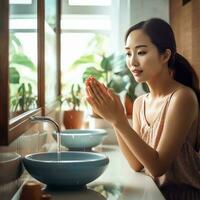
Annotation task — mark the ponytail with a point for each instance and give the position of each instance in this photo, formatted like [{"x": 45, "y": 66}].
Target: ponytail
[{"x": 185, "y": 74}]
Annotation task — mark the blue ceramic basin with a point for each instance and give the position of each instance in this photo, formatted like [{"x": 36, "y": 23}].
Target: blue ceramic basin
[
  {"x": 73, "y": 169},
  {"x": 82, "y": 138}
]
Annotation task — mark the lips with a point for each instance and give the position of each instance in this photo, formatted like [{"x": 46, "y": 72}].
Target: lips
[{"x": 137, "y": 72}]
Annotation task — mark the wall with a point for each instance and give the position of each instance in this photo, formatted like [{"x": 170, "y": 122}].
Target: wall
[
  {"x": 133, "y": 11},
  {"x": 186, "y": 25},
  {"x": 143, "y": 9}
]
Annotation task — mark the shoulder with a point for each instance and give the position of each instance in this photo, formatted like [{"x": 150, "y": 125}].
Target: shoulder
[
  {"x": 185, "y": 100},
  {"x": 185, "y": 95},
  {"x": 137, "y": 104},
  {"x": 138, "y": 101}
]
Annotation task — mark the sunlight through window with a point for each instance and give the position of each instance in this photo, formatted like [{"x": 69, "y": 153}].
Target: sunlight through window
[{"x": 90, "y": 2}]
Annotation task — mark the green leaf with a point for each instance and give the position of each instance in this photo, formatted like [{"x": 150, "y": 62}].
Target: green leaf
[
  {"x": 106, "y": 63},
  {"x": 14, "y": 76},
  {"x": 97, "y": 44},
  {"x": 29, "y": 89},
  {"x": 117, "y": 83},
  {"x": 21, "y": 89},
  {"x": 131, "y": 90},
  {"x": 22, "y": 59},
  {"x": 145, "y": 87},
  {"x": 119, "y": 64},
  {"x": 92, "y": 71},
  {"x": 15, "y": 44},
  {"x": 85, "y": 59}
]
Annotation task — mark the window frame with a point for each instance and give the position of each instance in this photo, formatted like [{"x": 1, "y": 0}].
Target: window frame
[{"x": 10, "y": 129}]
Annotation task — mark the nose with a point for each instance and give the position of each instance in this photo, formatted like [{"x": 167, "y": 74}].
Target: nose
[{"x": 134, "y": 61}]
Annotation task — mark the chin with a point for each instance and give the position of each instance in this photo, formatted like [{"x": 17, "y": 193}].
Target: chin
[{"x": 139, "y": 80}]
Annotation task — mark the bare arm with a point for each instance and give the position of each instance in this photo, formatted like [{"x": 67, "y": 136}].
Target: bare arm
[
  {"x": 133, "y": 161},
  {"x": 181, "y": 113}
]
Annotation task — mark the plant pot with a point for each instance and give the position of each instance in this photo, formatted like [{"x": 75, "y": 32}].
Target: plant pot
[
  {"x": 128, "y": 106},
  {"x": 73, "y": 119}
]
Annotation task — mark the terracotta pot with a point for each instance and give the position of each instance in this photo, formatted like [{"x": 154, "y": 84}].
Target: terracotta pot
[
  {"x": 73, "y": 119},
  {"x": 128, "y": 106}
]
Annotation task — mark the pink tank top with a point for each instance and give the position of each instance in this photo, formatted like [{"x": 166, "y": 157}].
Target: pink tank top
[{"x": 186, "y": 167}]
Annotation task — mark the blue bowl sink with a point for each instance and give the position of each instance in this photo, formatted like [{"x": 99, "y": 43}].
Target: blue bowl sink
[
  {"x": 72, "y": 169},
  {"x": 82, "y": 138}
]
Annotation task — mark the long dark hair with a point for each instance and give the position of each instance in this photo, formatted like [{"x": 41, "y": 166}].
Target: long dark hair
[{"x": 162, "y": 36}]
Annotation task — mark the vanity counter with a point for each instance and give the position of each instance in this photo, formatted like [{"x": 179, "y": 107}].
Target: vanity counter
[{"x": 117, "y": 182}]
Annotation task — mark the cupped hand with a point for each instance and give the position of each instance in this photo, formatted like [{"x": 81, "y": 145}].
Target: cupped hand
[{"x": 104, "y": 101}]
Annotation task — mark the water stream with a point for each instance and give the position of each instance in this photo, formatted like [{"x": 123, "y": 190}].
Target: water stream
[{"x": 58, "y": 132}]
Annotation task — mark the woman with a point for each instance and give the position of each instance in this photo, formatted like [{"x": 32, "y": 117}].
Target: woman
[{"x": 164, "y": 137}]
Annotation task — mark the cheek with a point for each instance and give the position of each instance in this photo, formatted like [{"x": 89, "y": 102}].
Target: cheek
[
  {"x": 127, "y": 62},
  {"x": 151, "y": 66},
  {"x": 154, "y": 70}
]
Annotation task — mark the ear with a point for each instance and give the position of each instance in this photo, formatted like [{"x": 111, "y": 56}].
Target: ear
[{"x": 166, "y": 55}]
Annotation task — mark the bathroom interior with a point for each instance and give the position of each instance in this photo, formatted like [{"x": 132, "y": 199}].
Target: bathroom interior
[{"x": 48, "y": 49}]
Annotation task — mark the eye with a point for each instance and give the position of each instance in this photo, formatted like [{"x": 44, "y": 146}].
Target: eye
[
  {"x": 128, "y": 54},
  {"x": 142, "y": 53}
]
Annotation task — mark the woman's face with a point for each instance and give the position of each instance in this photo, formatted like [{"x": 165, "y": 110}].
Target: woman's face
[{"x": 142, "y": 57}]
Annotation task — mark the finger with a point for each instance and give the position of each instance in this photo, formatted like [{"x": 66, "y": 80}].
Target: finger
[
  {"x": 101, "y": 86},
  {"x": 87, "y": 91},
  {"x": 111, "y": 94},
  {"x": 87, "y": 82},
  {"x": 93, "y": 95},
  {"x": 97, "y": 93},
  {"x": 92, "y": 80},
  {"x": 118, "y": 99},
  {"x": 104, "y": 87},
  {"x": 90, "y": 101},
  {"x": 102, "y": 93}
]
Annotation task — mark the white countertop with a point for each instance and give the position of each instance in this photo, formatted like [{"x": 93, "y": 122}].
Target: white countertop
[{"x": 117, "y": 182}]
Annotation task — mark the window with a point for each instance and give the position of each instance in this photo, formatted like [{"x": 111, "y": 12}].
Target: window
[
  {"x": 85, "y": 29},
  {"x": 29, "y": 49},
  {"x": 51, "y": 54},
  {"x": 23, "y": 56},
  {"x": 90, "y": 3}
]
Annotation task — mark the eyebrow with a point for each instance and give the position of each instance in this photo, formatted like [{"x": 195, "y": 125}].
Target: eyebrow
[{"x": 138, "y": 46}]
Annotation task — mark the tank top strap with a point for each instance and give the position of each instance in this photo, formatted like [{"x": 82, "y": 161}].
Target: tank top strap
[
  {"x": 161, "y": 115},
  {"x": 168, "y": 102},
  {"x": 142, "y": 111}
]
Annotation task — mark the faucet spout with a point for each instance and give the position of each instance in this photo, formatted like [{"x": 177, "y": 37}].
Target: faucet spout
[
  {"x": 51, "y": 121},
  {"x": 46, "y": 119}
]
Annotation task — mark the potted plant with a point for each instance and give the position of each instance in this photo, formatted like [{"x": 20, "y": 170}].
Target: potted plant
[
  {"x": 114, "y": 73},
  {"x": 21, "y": 94},
  {"x": 23, "y": 100},
  {"x": 104, "y": 72},
  {"x": 110, "y": 70},
  {"x": 73, "y": 116},
  {"x": 122, "y": 72}
]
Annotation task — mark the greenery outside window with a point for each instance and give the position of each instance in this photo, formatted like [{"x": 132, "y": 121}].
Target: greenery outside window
[
  {"x": 23, "y": 51},
  {"x": 22, "y": 64},
  {"x": 83, "y": 23}
]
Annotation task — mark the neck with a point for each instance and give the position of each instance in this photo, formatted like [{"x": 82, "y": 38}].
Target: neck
[{"x": 161, "y": 85}]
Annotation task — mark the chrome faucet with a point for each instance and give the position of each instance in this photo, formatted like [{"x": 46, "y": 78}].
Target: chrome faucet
[
  {"x": 46, "y": 119},
  {"x": 51, "y": 121}
]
